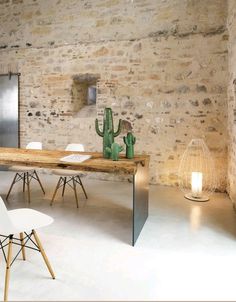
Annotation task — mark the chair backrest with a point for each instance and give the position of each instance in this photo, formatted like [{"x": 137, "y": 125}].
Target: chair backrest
[
  {"x": 6, "y": 226},
  {"x": 34, "y": 145},
  {"x": 75, "y": 147}
]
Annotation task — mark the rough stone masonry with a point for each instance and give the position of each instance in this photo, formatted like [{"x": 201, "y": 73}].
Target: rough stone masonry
[
  {"x": 231, "y": 24},
  {"x": 162, "y": 67}
]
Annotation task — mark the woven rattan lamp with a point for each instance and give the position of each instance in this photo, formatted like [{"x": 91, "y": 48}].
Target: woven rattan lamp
[{"x": 196, "y": 171}]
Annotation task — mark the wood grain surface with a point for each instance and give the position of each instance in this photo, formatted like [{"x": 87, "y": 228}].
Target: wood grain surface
[{"x": 51, "y": 159}]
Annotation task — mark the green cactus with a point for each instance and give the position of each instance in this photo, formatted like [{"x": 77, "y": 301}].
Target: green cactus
[
  {"x": 129, "y": 140},
  {"x": 114, "y": 151},
  {"x": 108, "y": 132}
]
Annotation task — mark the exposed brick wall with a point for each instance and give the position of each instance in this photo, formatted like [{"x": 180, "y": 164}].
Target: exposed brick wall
[
  {"x": 162, "y": 66},
  {"x": 232, "y": 99}
]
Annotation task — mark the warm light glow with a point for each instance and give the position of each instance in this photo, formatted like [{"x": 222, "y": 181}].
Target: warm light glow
[
  {"x": 195, "y": 217},
  {"x": 196, "y": 184}
]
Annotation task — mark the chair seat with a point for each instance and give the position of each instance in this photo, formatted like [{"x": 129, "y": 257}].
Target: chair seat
[
  {"x": 63, "y": 172},
  {"x": 28, "y": 219},
  {"x": 21, "y": 169}
]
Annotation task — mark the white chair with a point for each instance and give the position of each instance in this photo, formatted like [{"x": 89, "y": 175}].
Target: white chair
[
  {"x": 22, "y": 222},
  {"x": 26, "y": 174},
  {"x": 69, "y": 176}
]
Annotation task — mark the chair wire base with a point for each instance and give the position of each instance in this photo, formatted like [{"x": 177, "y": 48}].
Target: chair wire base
[
  {"x": 8, "y": 241},
  {"x": 26, "y": 177},
  {"x": 71, "y": 181},
  {"x": 15, "y": 241}
]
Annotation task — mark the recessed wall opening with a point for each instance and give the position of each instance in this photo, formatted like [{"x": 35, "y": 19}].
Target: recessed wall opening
[
  {"x": 84, "y": 94},
  {"x": 92, "y": 95}
]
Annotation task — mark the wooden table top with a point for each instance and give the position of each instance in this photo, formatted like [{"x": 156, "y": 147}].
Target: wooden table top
[{"x": 51, "y": 159}]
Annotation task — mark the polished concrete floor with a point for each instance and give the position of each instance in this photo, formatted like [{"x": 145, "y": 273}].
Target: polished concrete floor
[{"x": 186, "y": 251}]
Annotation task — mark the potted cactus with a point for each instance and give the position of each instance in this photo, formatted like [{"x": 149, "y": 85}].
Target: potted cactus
[
  {"x": 107, "y": 132},
  {"x": 129, "y": 140},
  {"x": 114, "y": 151}
]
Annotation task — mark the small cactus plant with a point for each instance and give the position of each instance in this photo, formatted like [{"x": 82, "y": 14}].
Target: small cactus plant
[
  {"x": 129, "y": 140},
  {"x": 107, "y": 132},
  {"x": 114, "y": 151}
]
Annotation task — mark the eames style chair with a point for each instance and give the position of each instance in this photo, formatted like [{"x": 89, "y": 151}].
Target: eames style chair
[
  {"x": 23, "y": 222},
  {"x": 69, "y": 177},
  {"x": 26, "y": 174}
]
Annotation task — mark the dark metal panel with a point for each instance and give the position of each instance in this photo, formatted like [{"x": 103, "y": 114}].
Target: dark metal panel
[
  {"x": 140, "y": 200},
  {"x": 9, "y": 95}
]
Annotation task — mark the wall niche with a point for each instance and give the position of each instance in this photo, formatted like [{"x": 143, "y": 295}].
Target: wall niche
[{"x": 84, "y": 94}]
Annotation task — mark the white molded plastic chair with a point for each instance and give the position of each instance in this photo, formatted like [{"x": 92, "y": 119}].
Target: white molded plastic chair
[
  {"x": 22, "y": 222},
  {"x": 26, "y": 174},
  {"x": 72, "y": 175},
  {"x": 34, "y": 146}
]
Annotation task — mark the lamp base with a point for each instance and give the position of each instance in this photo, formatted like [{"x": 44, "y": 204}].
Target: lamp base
[{"x": 200, "y": 199}]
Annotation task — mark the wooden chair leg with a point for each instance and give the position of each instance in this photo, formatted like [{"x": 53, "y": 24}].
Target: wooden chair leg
[
  {"x": 86, "y": 196},
  {"x": 24, "y": 183},
  {"x": 28, "y": 185},
  {"x": 13, "y": 182},
  {"x": 64, "y": 186},
  {"x": 45, "y": 258},
  {"x": 8, "y": 266},
  {"x": 36, "y": 174},
  {"x": 55, "y": 192},
  {"x": 74, "y": 187},
  {"x": 22, "y": 245}
]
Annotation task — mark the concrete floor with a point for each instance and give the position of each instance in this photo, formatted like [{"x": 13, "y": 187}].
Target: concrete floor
[{"x": 186, "y": 250}]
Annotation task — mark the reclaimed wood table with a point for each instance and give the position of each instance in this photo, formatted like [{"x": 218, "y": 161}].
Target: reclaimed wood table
[{"x": 138, "y": 167}]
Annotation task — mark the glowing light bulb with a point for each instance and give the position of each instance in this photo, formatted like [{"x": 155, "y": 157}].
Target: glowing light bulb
[{"x": 196, "y": 184}]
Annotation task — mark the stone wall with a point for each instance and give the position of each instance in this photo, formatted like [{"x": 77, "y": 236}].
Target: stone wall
[
  {"x": 162, "y": 67},
  {"x": 232, "y": 99}
]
